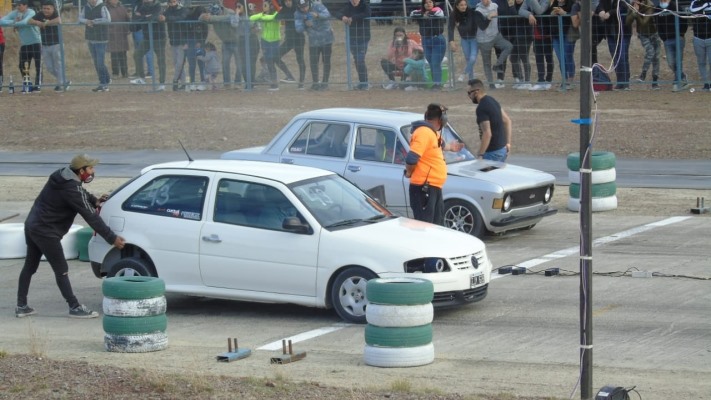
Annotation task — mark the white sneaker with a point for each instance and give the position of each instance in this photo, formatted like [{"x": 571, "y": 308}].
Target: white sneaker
[
  {"x": 160, "y": 88},
  {"x": 524, "y": 86},
  {"x": 411, "y": 88},
  {"x": 548, "y": 85},
  {"x": 390, "y": 85},
  {"x": 461, "y": 78},
  {"x": 201, "y": 87},
  {"x": 499, "y": 84},
  {"x": 538, "y": 86},
  {"x": 138, "y": 81},
  {"x": 193, "y": 88}
]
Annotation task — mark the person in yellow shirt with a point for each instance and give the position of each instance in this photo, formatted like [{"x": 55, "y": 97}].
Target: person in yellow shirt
[{"x": 425, "y": 165}]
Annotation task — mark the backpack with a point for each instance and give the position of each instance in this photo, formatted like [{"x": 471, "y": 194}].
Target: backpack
[{"x": 601, "y": 80}]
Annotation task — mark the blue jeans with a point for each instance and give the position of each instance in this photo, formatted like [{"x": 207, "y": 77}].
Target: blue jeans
[
  {"x": 98, "y": 54},
  {"x": 358, "y": 50},
  {"x": 702, "y": 49},
  {"x": 670, "y": 49},
  {"x": 622, "y": 57},
  {"x": 565, "y": 60},
  {"x": 470, "y": 48},
  {"x": 137, "y": 39},
  {"x": 230, "y": 52},
  {"x": 270, "y": 50},
  {"x": 434, "y": 48},
  {"x": 496, "y": 155}
]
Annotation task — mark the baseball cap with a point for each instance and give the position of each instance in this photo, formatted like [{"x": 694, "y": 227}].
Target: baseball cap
[
  {"x": 21, "y": 2},
  {"x": 303, "y": 3},
  {"x": 82, "y": 160}
]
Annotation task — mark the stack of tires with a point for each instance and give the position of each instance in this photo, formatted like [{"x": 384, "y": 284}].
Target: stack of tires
[
  {"x": 603, "y": 186},
  {"x": 134, "y": 314},
  {"x": 399, "y": 316}
]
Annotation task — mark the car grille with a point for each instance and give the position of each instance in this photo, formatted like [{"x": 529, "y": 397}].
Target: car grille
[
  {"x": 465, "y": 261},
  {"x": 523, "y": 198},
  {"x": 464, "y": 296}
]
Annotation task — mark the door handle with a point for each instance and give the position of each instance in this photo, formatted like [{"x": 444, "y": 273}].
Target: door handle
[
  {"x": 287, "y": 160},
  {"x": 212, "y": 238},
  {"x": 354, "y": 168}
]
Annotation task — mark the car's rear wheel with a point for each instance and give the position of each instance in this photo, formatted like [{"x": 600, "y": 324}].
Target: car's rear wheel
[
  {"x": 132, "y": 266},
  {"x": 464, "y": 217},
  {"x": 348, "y": 293}
]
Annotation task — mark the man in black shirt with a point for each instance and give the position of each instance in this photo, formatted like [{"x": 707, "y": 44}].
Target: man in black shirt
[
  {"x": 494, "y": 124},
  {"x": 48, "y": 22}
]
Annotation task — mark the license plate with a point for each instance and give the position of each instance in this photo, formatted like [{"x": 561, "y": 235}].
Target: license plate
[{"x": 477, "y": 280}]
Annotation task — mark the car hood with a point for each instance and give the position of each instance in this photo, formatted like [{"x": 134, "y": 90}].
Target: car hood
[
  {"x": 416, "y": 238},
  {"x": 507, "y": 175}
]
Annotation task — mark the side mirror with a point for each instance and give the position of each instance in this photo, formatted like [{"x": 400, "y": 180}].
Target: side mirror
[{"x": 294, "y": 224}]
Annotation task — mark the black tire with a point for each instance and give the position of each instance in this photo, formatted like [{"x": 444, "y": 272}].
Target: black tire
[
  {"x": 400, "y": 291},
  {"x": 348, "y": 293},
  {"x": 133, "y": 287},
  {"x": 464, "y": 217},
  {"x": 599, "y": 160},
  {"x": 132, "y": 266},
  {"x": 135, "y": 326},
  {"x": 599, "y": 190},
  {"x": 411, "y": 336},
  {"x": 135, "y": 343}
]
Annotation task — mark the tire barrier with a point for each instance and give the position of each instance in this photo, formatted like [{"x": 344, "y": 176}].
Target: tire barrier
[
  {"x": 83, "y": 237},
  {"x": 134, "y": 314},
  {"x": 603, "y": 187},
  {"x": 12, "y": 237},
  {"x": 399, "y": 316}
]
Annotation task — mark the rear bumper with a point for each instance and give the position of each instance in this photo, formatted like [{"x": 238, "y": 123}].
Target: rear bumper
[{"x": 460, "y": 297}]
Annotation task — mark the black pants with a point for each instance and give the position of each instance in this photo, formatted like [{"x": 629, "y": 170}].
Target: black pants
[
  {"x": 119, "y": 64},
  {"x": 2, "y": 51},
  {"x": 543, "y": 51},
  {"x": 53, "y": 251},
  {"x": 295, "y": 41},
  {"x": 427, "y": 205},
  {"x": 320, "y": 52},
  {"x": 27, "y": 53}
]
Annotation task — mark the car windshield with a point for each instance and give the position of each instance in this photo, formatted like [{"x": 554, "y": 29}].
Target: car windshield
[
  {"x": 337, "y": 203},
  {"x": 449, "y": 135}
]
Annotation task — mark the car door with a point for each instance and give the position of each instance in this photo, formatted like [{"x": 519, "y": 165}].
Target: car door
[
  {"x": 320, "y": 144},
  {"x": 377, "y": 166},
  {"x": 244, "y": 247}
]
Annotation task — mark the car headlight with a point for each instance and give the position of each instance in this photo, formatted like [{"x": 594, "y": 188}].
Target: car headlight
[
  {"x": 507, "y": 203},
  {"x": 548, "y": 196},
  {"x": 427, "y": 265}
]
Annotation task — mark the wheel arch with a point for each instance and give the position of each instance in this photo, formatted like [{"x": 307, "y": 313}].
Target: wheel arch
[
  {"x": 329, "y": 284},
  {"x": 129, "y": 251},
  {"x": 485, "y": 218}
]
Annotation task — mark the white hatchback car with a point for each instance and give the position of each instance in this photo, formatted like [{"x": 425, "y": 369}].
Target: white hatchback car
[{"x": 265, "y": 232}]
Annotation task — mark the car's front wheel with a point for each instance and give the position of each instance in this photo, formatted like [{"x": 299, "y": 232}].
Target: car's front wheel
[
  {"x": 464, "y": 217},
  {"x": 348, "y": 293},
  {"x": 132, "y": 266}
]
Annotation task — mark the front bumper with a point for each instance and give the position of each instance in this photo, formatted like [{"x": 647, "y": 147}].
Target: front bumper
[
  {"x": 514, "y": 222},
  {"x": 459, "y": 297}
]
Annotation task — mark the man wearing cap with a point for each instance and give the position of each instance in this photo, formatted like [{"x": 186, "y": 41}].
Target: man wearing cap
[
  {"x": 48, "y": 22},
  {"x": 50, "y": 218},
  {"x": 425, "y": 165},
  {"x": 30, "y": 41}
]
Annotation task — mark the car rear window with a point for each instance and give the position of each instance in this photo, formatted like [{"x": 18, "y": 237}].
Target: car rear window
[{"x": 172, "y": 196}]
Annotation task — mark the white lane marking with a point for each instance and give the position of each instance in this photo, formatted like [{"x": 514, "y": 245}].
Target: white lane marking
[
  {"x": 597, "y": 242},
  {"x": 303, "y": 336}
]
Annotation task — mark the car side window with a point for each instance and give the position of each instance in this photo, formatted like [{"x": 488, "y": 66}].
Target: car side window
[
  {"x": 252, "y": 204},
  {"x": 322, "y": 139},
  {"x": 175, "y": 196},
  {"x": 374, "y": 144}
]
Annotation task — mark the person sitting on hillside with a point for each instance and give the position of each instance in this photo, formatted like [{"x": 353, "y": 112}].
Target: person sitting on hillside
[{"x": 400, "y": 48}]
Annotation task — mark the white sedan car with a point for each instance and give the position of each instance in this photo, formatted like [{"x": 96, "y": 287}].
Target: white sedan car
[{"x": 266, "y": 232}]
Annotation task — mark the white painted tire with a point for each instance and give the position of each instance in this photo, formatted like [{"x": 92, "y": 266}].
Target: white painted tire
[
  {"x": 12, "y": 237},
  {"x": 389, "y": 357},
  {"x": 388, "y": 316},
  {"x": 135, "y": 343},
  {"x": 134, "y": 308},
  {"x": 598, "y": 204},
  {"x": 597, "y": 177}
]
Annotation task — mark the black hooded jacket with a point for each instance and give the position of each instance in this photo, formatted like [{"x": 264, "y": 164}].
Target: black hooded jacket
[{"x": 59, "y": 202}]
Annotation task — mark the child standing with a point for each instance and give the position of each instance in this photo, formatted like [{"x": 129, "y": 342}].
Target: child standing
[{"x": 212, "y": 64}]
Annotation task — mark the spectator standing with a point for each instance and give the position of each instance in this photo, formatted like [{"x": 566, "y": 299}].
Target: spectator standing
[
  {"x": 315, "y": 20},
  {"x": 462, "y": 18},
  {"x": 399, "y": 49},
  {"x": 138, "y": 38},
  {"x": 271, "y": 39},
  {"x": 488, "y": 37},
  {"x": 618, "y": 35},
  {"x": 425, "y": 165},
  {"x": 536, "y": 11},
  {"x": 150, "y": 16},
  {"x": 96, "y": 17},
  {"x": 564, "y": 37},
  {"x": 248, "y": 42},
  {"x": 356, "y": 15},
  {"x": 702, "y": 40},
  {"x": 673, "y": 44},
  {"x": 494, "y": 124},
  {"x": 224, "y": 23},
  {"x": 175, "y": 22},
  {"x": 196, "y": 36},
  {"x": 431, "y": 19},
  {"x": 48, "y": 21},
  {"x": 2, "y": 52},
  {"x": 212, "y": 64},
  {"x": 118, "y": 38},
  {"x": 648, "y": 37},
  {"x": 293, "y": 40},
  {"x": 49, "y": 219},
  {"x": 30, "y": 40},
  {"x": 521, "y": 41}
]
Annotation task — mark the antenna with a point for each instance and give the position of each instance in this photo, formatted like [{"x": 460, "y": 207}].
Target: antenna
[{"x": 186, "y": 152}]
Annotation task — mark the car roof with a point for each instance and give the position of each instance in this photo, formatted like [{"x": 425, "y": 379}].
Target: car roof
[
  {"x": 364, "y": 115},
  {"x": 274, "y": 171}
]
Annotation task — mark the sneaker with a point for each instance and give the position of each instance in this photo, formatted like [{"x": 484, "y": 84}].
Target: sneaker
[
  {"x": 411, "y": 88},
  {"x": 24, "y": 311},
  {"x": 160, "y": 88},
  {"x": 287, "y": 80},
  {"x": 639, "y": 80},
  {"x": 66, "y": 85},
  {"x": 100, "y": 88},
  {"x": 201, "y": 87},
  {"x": 315, "y": 87},
  {"x": 193, "y": 88},
  {"x": 149, "y": 76},
  {"x": 324, "y": 86},
  {"x": 138, "y": 81},
  {"x": 707, "y": 87},
  {"x": 273, "y": 89},
  {"x": 81, "y": 311},
  {"x": 390, "y": 85},
  {"x": 548, "y": 85},
  {"x": 58, "y": 89},
  {"x": 524, "y": 86},
  {"x": 499, "y": 84},
  {"x": 301, "y": 87},
  {"x": 363, "y": 86},
  {"x": 498, "y": 68},
  {"x": 655, "y": 86},
  {"x": 625, "y": 88},
  {"x": 461, "y": 78},
  {"x": 538, "y": 87},
  {"x": 37, "y": 89}
]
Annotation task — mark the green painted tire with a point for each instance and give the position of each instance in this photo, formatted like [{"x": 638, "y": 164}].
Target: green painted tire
[
  {"x": 133, "y": 287},
  {"x": 136, "y": 325},
  {"x": 600, "y": 190},
  {"x": 412, "y": 336},
  {"x": 400, "y": 291},
  {"x": 599, "y": 160}
]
